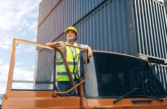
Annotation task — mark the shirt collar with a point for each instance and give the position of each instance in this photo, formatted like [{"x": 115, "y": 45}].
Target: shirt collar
[{"x": 69, "y": 43}]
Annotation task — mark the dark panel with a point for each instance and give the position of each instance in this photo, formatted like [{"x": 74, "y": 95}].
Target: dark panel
[
  {"x": 45, "y": 7},
  {"x": 137, "y": 26},
  {"x": 67, "y": 13},
  {"x": 150, "y": 28},
  {"x": 108, "y": 29}
]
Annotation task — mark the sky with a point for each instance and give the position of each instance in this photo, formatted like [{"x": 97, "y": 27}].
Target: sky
[{"x": 18, "y": 19}]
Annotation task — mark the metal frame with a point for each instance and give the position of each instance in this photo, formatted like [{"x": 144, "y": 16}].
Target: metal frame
[{"x": 11, "y": 69}]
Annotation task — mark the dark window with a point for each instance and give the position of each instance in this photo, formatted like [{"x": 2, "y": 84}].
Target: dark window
[{"x": 111, "y": 75}]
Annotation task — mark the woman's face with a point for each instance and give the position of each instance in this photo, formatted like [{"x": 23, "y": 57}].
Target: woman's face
[{"x": 70, "y": 35}]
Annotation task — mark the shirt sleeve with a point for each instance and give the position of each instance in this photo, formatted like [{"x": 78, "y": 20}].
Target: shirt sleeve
[{"x": 84, "y": 46}]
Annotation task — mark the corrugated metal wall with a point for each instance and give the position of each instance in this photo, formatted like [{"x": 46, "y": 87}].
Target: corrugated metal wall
[
  {"x": 150, "y": 25},
  {"x": 125, "y": 26},
  {"x": 165, "y": 3},
  {"x": 109, "y": 28},
  {"x": 45, "y": 68},
  {"x": 66, "y": 14},
  {"x": 45, "y": 8},
  {"x": 161, "y": 72}
]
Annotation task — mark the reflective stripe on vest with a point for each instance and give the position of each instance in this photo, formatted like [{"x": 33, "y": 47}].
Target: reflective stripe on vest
[{"x": 62, "y": 74}]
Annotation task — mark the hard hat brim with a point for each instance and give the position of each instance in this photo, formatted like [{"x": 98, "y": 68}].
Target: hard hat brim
[{"x": 72, "y": 29}]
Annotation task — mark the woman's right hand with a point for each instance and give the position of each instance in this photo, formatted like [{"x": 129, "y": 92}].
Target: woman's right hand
[
  {"x": 62, "y": 45},
  {"x": 57, "y": 44}
]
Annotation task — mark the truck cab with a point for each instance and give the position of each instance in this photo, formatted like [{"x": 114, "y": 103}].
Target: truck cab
[{"x": 107, "y": 80}]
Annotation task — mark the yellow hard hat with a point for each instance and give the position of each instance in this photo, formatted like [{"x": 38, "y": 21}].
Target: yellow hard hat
[{"x": 71, "y": 28}]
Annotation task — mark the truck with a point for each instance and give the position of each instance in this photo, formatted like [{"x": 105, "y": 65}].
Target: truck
[{"x": 108, "y": 80}]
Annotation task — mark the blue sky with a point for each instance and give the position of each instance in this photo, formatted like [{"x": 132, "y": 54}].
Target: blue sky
[{"x": 18, "y": 19}]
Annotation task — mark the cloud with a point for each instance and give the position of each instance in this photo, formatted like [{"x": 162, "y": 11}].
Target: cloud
[
  {"x": 4, "y": 75},
  {"x": 19, "y": 63},
  {"x": 14, "y": 17},
  {"x": 33, "y": 27},
  {"x": 19, "y": 74},
  {"x": 18, "y": 18},
  {"x": 5, "y": 39},
  {"x": 23, "y": 34},
  {"x": 22, "y": 74},
  {"x": 19, "y": 48},
  {"x": 30, "y": 48},
  {"x": 22, "y": 86},
  {"x": 19, "y": 29},
  {"x": 25, "y": 23},
  {"x": 13, "y": 12},
  {"x": 34, "y": 40},
  {"x": 1, "y": 61},
  {"x": 23, "y": 48},
  {"x": 32, "y": 15}
]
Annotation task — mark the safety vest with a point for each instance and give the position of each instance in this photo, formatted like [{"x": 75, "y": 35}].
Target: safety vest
[{"x": 62, "y": 73}]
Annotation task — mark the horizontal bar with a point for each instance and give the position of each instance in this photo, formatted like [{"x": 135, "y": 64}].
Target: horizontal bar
[{"x": 39, "y": 82}]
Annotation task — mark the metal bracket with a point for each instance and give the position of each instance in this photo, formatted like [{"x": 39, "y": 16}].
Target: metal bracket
[{"x": 54, "y": 95}]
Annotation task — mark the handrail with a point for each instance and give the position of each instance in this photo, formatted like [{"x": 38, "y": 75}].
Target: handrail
[
  {"x": 70, "y": 71},
  {"x": 11, "y": 68}
]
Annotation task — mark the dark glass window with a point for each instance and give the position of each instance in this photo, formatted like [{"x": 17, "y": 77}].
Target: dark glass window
[{"x": 112, "y": 75}]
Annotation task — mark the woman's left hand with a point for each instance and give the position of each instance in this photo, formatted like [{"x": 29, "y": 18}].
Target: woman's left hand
[{"x": 90, "y": 53}]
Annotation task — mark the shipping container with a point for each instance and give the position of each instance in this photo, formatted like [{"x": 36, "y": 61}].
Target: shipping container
[
  {"x": 45, "y": 7},
  {"x": 165, "y": 3},
  {"x": 133, "y": 27}
]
